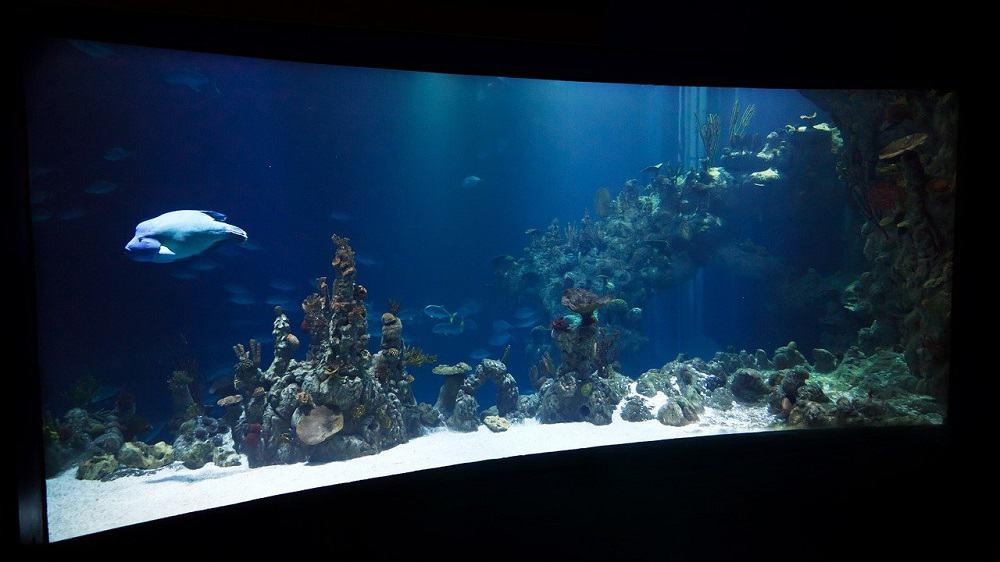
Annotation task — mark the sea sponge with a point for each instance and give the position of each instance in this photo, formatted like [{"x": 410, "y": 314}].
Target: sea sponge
[{"x": 318, "y": 425}]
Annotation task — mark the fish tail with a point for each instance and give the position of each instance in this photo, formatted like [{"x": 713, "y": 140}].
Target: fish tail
[{"x": 236, "y": 232}]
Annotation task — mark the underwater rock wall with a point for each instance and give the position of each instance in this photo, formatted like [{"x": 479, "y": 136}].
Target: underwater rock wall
[
  {"x": 899, "y": 161},
  {"x": 656, "y": 233}
]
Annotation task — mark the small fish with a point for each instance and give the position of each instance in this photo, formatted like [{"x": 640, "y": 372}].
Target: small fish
[
  {"x": 497, "y": 340},
  {"x": 154, "y": 433},
  {"x": 486, "y": 90},
  {"x": 93, "y": 49},
  {"x": 249, "y": 245},
  {"x": 447, "y": 329},
  {"x": 340, "y": 216},
  {"x": 655, "y": 168},
  {"x": 221, "y": 372},
  {"x": 221, "y": 386},
  {"x": 204, "y": 265},
  {"x": 39, "y": 196},
  {"x": 500, "y": 326},
  {"x": 190, "y": 78},
  {"x": 367, "y": 260},
  {"x": 281, "y": 285},
  {"x": 178, "y": 235},
  {"x": 228, "y": 250},
  {"x": 437, "y": 311},
  {"x": 469, "y": 307},
  {"x": 526, "y": 322},
  {"x": 808, "y": 117},
  {"x": 101, "y": 187},
  {"x": 242, "y": 300},
  {"x": 117, "y": 153},
  {"x": 479, "y": 354},
  {"x": 71, "y": 214},
  {"x": 105, "y": 393},
  {"x": 471, "y": 181},
  {"x": 279, "y": 300},
  {"x": 234, "y": 288},
  {"x": 184, "y": 275},
  {"x": 524, "y": 312},
  {"x": 407, "y": 315}
]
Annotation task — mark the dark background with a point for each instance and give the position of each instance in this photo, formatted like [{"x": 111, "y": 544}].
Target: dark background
[{"x": 847, "y": 493}]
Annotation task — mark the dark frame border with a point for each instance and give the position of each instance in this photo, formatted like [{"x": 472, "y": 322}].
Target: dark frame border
[{"x": 887, "y": 455}]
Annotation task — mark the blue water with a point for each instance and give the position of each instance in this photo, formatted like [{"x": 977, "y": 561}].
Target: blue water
[{"x": 293, "y": 153}]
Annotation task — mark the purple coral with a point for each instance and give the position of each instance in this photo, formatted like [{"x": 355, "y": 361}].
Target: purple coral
[{"x": 560, "y": 324}]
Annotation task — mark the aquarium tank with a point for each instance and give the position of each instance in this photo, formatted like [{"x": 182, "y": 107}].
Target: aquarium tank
[{"x": 257, "y": 276}]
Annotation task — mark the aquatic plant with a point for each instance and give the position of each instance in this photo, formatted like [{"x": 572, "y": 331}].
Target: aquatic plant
[
  {"x": 416, "y": 357},
  {"x": 709, "y": 131},
  {"x": 738, "y": 123},
  {"x": 185, "y": 406}
]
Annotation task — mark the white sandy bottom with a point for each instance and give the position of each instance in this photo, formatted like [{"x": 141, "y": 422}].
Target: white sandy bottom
[{"x": 79, "y": 507}]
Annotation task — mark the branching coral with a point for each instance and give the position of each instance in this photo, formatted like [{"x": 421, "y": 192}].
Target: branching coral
[{"x": 416, "y": 357}]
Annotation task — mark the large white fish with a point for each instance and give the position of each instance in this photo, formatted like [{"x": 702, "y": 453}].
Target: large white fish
[{"x": 178, "y": 235}]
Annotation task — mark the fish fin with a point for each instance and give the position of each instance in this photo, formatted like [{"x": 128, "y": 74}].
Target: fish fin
[
  {"x": 165, "y": 251},
  {"x": 236, "y": 233},
  {"x": 215, "y": 215}
]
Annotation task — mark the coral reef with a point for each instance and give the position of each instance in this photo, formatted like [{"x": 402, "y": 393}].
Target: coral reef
[
  {"x": 581, "y": 388},
  {"x": 656, "y": 234},
  {"x": 636, "y": 409},
  {"x": 876, "y": 389},
  {"x": 136, "y": 454},
  {"x": 454, "y": 375},
  {"x": 82, "y": 434},
  {"x": 457, "y": 397},
  {"x": 341, "y": 401},
  {"x": 496, "y": 424},
  {"x": 899, "y": 160},
  {"x": 202, "y": 440}
]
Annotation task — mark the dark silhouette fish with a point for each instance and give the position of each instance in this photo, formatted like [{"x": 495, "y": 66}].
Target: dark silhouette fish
[
  {"x": 116, "y": 154},
  {"x": 101, "y": 187},
  {"x": 93, "y": 49}
]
